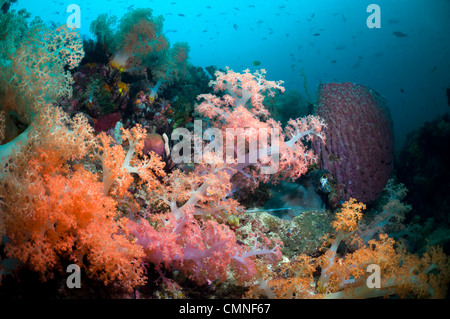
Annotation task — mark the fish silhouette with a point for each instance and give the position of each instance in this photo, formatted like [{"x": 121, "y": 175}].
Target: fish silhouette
[{"x": 399, "y": 34}]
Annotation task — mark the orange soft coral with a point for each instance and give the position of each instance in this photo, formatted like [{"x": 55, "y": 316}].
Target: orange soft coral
[
  {"x": 348, "y": 217},
  {"x": 118, "y": 164},
  {"x": 402, "y": 273},
  {"x": 68, "y": 219},
  {"x": 54, "y": 211}
]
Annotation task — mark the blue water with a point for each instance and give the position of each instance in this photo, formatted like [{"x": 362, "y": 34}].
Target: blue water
[{"x": 308, "y": 42}]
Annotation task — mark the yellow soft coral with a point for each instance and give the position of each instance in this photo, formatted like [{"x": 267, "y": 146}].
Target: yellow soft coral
[{"x": 333, "y": 275}]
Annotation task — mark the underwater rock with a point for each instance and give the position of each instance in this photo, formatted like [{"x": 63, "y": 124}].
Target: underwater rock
[
  {"x": 359, "y": 141},
  {"x": 301, "y": 235},
  {"x": 295, "y": 198}
]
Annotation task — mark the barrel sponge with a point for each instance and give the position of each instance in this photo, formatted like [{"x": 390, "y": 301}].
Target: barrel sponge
[{"x": 359, "y": 147}]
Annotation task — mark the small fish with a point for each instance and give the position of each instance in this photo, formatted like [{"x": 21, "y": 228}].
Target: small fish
[
  {"x": 251, "y": 6},
  {"x": 399, "y": 34},
  {"x": 316, "y": 34},
  {"x": 344, "y": 18},
  {"x": 356, "y": 65},
  {"x": 401, "y": 90},
  {"x": 181, "y": 15},
  {"x": 235, "y": 26},
  {"x": 334, "y": 61},
  {"x": 324, "y": 180},
  {"x": 393, "y": 21},
  {"x": 130, "y": 7},
  {"x": 256, "y": 63}
]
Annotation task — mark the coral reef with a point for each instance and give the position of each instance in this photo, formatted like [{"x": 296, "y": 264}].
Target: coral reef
[
  {"x": 345, "y": 275},
  {"x": 89, "y": 176}
]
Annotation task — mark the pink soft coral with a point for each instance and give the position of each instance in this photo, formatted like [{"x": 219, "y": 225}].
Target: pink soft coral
[
  {"x": 242, "y": 110},
  {"x": 203, "y": 250}
]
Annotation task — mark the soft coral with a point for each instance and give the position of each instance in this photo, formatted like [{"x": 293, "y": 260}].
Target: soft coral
[
  {"x": 69, "y": 219},
  {"x": 203, "y": 250},
  {"x": 35, "y": 72},
  {"x": 55, "y": 211},
  {"x": 241, "y": 111}
]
